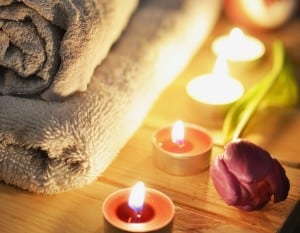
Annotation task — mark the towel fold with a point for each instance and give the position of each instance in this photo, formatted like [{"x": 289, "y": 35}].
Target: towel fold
[
  {"x": 50, "y": 147},
  {"x": 50, "y": 48}
]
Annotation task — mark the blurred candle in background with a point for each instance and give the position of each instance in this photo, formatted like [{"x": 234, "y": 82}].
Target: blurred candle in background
[
  {"x": 238, "y": 47},
  {"x": 216, "y": 88},
  {"x": 214, "y": 93},
  {"x": 260, "y": 14}
]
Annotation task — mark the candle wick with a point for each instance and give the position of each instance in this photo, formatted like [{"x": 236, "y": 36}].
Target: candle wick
[
  {"x": 136, "y": 218},
  {"x": 179, "y": 142}
]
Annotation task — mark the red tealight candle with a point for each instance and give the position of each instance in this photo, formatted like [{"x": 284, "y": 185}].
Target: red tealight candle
[
  {"x": 183, "y": 149},
  {"x": 177, "y": 143},
  {"x": 138, "y": 210},
  {"x": 135, "y": 211}
]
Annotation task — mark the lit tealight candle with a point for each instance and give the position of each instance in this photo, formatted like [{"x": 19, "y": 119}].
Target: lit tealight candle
[
  {"x": 239, "y": 48},
  {"x": 138, "y": 209},
  {"x": 182, "y": 149},
  {"x": 215, "y": 92}
]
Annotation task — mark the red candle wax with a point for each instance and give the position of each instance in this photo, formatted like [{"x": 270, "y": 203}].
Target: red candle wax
[
  {"x": 182, "y": 147},
  {"x": 187, "y": 156},
  {"x": 156, "y": 216},
  {"x": 197, "y": 140},
  {"x": 127, "y": 214}
]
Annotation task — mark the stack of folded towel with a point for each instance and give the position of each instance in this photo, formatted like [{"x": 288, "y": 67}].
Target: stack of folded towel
[{"x": 78, "y": 77}]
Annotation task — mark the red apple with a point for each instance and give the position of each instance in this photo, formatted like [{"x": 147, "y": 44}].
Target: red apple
[{"x": 260, "y": 14}]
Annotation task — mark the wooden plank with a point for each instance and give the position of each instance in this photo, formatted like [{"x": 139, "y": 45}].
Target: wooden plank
[{"x": 78, "y": 211}]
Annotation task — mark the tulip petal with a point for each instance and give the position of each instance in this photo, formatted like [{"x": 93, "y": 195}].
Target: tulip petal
[
  {"x": 246, "y": 176},
  {"x": 260, "y": 195},
  {"x": 225, "y": 183},
  {"x": 247, "y": 161},
  {"x": 279, "y": 182}
]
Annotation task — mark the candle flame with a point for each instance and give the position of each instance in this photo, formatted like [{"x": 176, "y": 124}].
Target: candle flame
[
  {"x": 243, "y": 47},
  {"x": 238, "y": 46},
  {"x": 220, "y": 67},
  {"x": 137, "y": 197},
  {"x": 236, "y": 35},
  {"x": 178, "y": 133}
]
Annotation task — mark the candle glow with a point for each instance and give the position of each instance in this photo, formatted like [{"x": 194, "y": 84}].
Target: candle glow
[
  {"x": 182, "y": 148},
  {"x": 137, "y": 197},
  {"x": 176, "y": 141},
  {"x": 138, "y": 209},
  {"x": 135, "y": 210},
  {"x": 178, "y": 133},
  {"x": 238, "y": 47},
  {"x": 220, "y": 67},
  {"x": 217, "y": 88}
]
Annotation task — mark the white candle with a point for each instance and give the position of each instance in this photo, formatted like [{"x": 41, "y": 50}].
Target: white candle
[
  {"x": 238, "y": 47},
  {"x": 216, "y": 88},
  {"x": 214, "y": 93}
]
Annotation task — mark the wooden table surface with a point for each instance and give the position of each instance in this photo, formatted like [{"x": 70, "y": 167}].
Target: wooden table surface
[{"x": 198, "y": 206}]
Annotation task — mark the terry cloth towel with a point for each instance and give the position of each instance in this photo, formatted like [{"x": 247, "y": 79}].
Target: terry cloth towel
[
  {"x": 51, "y": 47},
  {"x": 50, "y": 147}
]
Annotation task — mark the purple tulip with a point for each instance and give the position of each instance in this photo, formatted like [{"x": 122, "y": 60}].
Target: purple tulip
[{"x": 246, "y": 176}]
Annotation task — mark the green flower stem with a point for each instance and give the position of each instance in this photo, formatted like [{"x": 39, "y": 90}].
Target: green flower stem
[{"x": 277, "y": 88}]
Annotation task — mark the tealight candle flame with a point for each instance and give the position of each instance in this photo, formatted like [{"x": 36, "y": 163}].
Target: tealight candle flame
[
  {"x": 178, "y": 133},
  {"x": 238, "y": 46},
  {"x": 241, "y": 46},
  {"x": 220, "y": 67},
  {"x": 137, "y": 197},
  {"x": 236, "y": 35},
  {"x": 206, "y": 89}
]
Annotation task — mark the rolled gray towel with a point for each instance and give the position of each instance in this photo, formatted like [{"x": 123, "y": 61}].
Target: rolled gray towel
[
  {"x": 51, "y": 47},
  {"x": 50, "y": 147}
]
